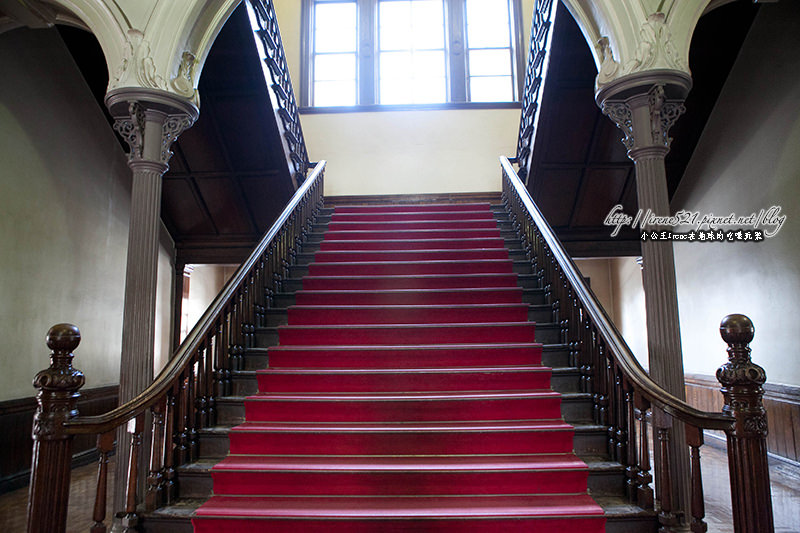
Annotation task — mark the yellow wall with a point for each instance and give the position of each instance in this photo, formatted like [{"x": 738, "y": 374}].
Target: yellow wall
[{"x": 398, "y": 152}]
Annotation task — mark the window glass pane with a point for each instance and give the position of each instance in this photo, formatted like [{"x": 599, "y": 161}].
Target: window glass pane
[
  {"x": 430, "y": 91},
  {"x": 490, "y": 62},
  {"x": 488, "y": 23},
  {"x": 333, "y": 67},
  {"x": 395, "y": 25},
  {"x": 396, "y": 65},
  {"x": 335, "y": 27},
  {"x": 413, "y": 77},
  {"x": 491, "y": 89},
  {"x": 334, "y": 93},
  {"x": 427, "y": 24}
]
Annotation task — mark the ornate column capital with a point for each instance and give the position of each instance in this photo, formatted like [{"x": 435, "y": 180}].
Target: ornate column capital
[
  {"x": 150, "y": 121},
  {"x": 645, "y": 108}
]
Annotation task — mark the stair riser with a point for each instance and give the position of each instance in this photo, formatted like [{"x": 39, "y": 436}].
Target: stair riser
[
  {"x": 407, "y": 282},
  {"x": 413, "y": 208},
  {"x": 403, "y": 381},
  {"x": 417, "y": 255},
  {"x": 494, "y": 266},
  {"x": 388, "y": 358},
  {"x": 397, "y": 483},
  {"x": 400, "y": 411},
  {"x": 365, "y": 335},
  {"x": 411, "y": 225},
  {"x": 409, "y": 244},
  {"x": 585, "y": 443},
  {"x": 299, "y": 316},
  {"x": 407, "y": 442},
  {"x": 510, "y": 295},
  {"x": 377, "y": 235},
  {"x": 403, "y": 217}
]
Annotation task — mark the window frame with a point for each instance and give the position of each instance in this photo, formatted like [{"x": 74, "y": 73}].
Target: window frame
[{"x": 368, "y": 49}]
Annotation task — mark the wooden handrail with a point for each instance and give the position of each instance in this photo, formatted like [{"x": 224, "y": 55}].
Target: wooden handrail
[
  {"x": 176, "y": 366},
  {"x": 624, "y": 357},
  {"x": 628, "y": 402}
]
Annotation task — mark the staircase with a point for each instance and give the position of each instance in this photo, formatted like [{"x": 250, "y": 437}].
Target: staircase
[{"x": 404, "y": 384}]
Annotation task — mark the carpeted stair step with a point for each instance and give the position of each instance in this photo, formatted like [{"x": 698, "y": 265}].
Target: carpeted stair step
[
  {"x": 413, "y": 208},
  {"x": 409, "y": 225},
  {"x": 402, "y": 438},
  {"x": 509, "y": 378},
  {"x": 405, "y": 334},
  {"x": 410, "y": 268},
  {"x": 488, "y": 514},
  {"x": 333, "y": 245},
  {"x": 254, "y": 475},
  {"x": 408, "y": 356},
  {"x": 371, "y": 235},
  {"x": 426, "y": 281},
  {"x": 403, "y": 407},
  {"x": 410, "y": 297},
  {"x": 353, "y": 256},
  {"x": 480, "y": 214},
  {"x": 301, "y": 315}
]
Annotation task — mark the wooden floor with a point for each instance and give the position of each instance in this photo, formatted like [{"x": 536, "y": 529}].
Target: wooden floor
[{"x": 785, "y": 481}]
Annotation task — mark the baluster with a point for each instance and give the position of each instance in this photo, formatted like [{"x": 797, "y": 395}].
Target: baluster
[
  {"x": 130, "y": 521},
  {"x": 601, "y": 383},
  {"x": 170, "y": 487},
  {"x": 58, "y": 385},
  {"x": 191, "y": 416},
  {"x": 668, "y": 520},
  {"x": 694, "y": 439},
  {"x": 182, "y": 432},
  {"x": 632, "y": 469},
  {"x": 742, "y": 382},
  {"x": 105, "y": 445},
  {"x": 154, "y": 496},
  {"x": 644, "y": 492},
  {"x": 611, "y": 409},
  {"x": 621, "y": 417},
  {"x": 200, "y": 402},
  {"x": 212, "y": 355}
]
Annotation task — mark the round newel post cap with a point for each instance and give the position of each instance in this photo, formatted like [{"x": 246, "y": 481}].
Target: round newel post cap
[
  {"x": 63, "y": 338},
  {"x": 736, "y": 329}
]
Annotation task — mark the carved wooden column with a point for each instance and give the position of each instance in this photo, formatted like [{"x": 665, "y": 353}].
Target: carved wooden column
[
  {"x": 742, "y": 382},
  {"x": 48, "y": 493},
  {"x": 149, "y": 121},
  {"x": 645, "y": 106}
]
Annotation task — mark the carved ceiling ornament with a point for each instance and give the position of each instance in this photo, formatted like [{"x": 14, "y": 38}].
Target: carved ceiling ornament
[
  {"x": 183, "y": 82},
  {"x": 132, "y": 129},
  {"x": 137, "y": 67}
]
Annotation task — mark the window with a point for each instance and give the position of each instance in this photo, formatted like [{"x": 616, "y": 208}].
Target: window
[{"x": 363, "y": 52}]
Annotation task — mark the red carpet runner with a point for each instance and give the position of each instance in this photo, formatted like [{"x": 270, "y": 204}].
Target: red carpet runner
[{"x": 406, "y": 394}]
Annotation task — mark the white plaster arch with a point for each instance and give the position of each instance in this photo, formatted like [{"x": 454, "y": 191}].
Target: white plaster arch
[{"x": 634, "y": 36}]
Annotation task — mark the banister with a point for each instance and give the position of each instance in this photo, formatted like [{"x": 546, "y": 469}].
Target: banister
[
  {"x": 183, "y": 356},
  {"x": 631, "y": 368}
]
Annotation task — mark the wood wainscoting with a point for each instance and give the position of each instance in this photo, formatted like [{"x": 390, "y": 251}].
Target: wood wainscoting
[
  {"x": 783, "y": 411},
  {"x": 16, "y": 421}
]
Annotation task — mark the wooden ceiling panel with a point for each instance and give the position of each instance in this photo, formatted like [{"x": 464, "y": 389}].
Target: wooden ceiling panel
[
  {"x": 186, "y": 212},
  {"x": 571, "y": 117},
  {"x": 244, "y": 127},
  {"x": 555, "y": 194},
  {"x": 601, "y": 189},
  {"x": 200, "y": 146},
  {"x": 227, "y": 208},
  {"x": 608, "y": 146},
  {"x": 266, "y": 198}
]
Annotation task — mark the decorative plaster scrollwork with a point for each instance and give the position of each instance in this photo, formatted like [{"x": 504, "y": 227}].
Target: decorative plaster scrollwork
[
  {"x": 131, "y": 128},
  {"x": 608, "y": 65},
  {"x": 137, "y": 66},
  {"x": 620, "y": 113},
  {"x": 655, "y": 49},
  {"x": 183, "y": 82}
]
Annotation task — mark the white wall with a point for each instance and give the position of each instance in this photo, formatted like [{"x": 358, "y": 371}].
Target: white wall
[
  {"x": 748, "y": 158},
  {"x": 403, "y": 152},
  {"x": 629, "y": 311},
  {"x": 65, "y": 200}
]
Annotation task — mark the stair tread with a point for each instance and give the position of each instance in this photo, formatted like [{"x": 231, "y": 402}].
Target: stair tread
[
  {"x": 402, "y": 463},
  {"x": 458, "y": 426},
  {"x": 404, "y": 396},
  {"x": 401, "y": 506},
  {"x": 435, "y": 370}
]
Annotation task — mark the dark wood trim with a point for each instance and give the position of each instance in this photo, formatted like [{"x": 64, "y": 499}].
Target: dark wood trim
[
  {"x": 782, "y": 403},
  {"x": 445, "y": 198},
  {"x": 16, "y": 419}
]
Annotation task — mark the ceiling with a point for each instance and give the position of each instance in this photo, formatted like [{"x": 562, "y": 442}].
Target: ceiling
[
  {"x": 580, "y": 169},
  {"x": 228, "y": 179}
]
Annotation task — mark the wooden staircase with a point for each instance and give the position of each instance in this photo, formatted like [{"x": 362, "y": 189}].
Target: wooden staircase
[{"x": 606, "y": 478}]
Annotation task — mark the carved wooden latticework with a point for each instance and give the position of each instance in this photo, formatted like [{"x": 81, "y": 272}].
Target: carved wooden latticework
[
  {"x": 268, "y": 35},
  {"x": 637, "y": 411},
  {"x": 543, "y": 18},
  {"x": 181, "y": 400}
]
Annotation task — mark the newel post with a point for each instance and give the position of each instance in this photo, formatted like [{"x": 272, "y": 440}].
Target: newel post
[
  {"x": 741, "y": 381},
  {"x": 58, "y": 395}
]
